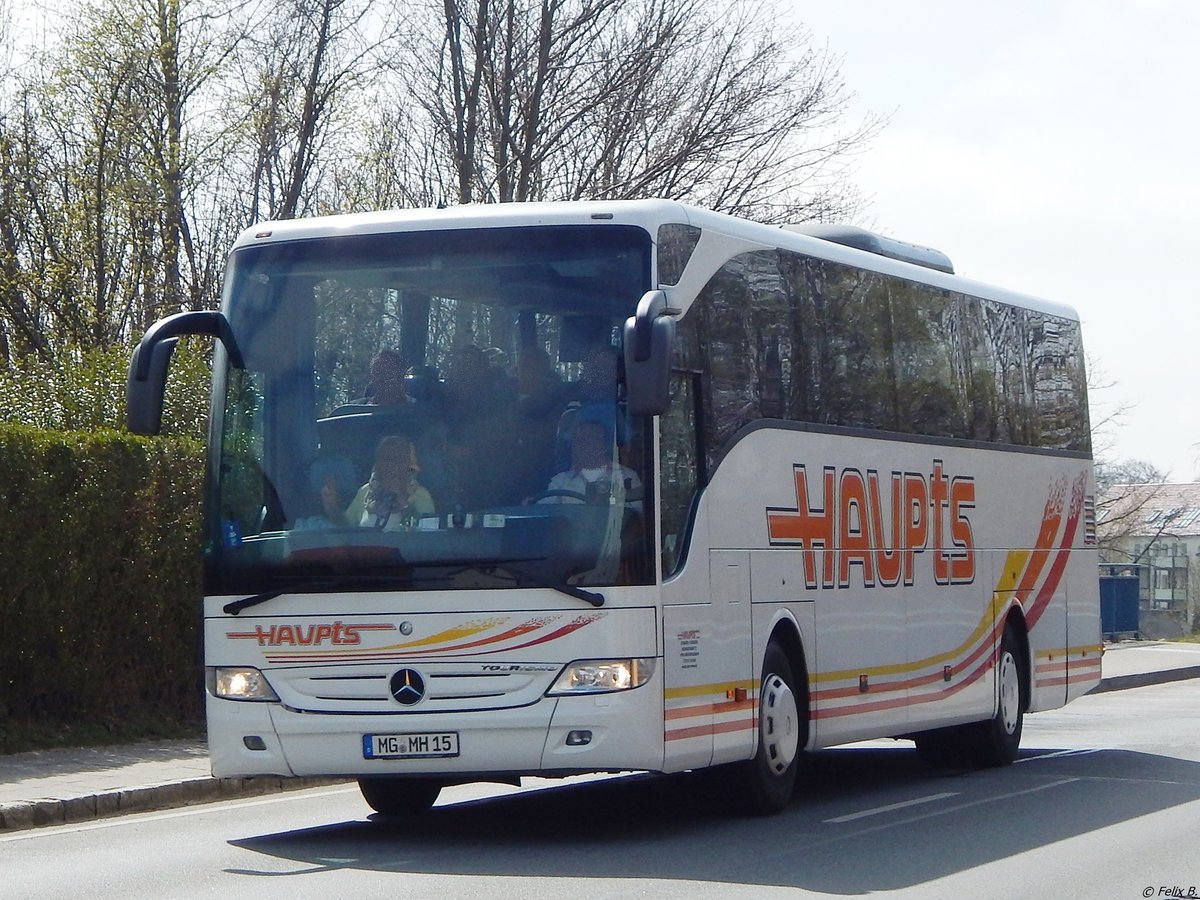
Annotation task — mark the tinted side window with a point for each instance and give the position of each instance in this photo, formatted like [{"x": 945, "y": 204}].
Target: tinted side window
[{"x": 781, "y": 335}]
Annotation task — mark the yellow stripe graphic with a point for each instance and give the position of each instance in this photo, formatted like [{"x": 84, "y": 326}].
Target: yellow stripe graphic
[
  {"x": 701, "y": 690},
  {"x": 450, "y": 634}
]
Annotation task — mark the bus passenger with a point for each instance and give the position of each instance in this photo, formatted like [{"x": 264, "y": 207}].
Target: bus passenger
[
  {"x": 393, "y": 498},
  {"x": 331, "y": 480},
  {"x": 481, "y": 441},
  {"x": 386, "y": 387}
]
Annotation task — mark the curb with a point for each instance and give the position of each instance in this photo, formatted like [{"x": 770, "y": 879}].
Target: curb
[
  {"x": 1144, "y": 679},
  {"x": 170, "y": 795}
]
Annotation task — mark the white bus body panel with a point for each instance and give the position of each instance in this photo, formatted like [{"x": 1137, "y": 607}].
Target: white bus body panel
[{"x": 887, "y": 653}]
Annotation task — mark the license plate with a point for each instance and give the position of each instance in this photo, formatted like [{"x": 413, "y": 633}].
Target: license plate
[{"x": 414, "y": 745}]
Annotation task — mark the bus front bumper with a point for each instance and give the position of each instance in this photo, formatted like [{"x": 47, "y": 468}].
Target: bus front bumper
[{"x": 589, "y": 733}]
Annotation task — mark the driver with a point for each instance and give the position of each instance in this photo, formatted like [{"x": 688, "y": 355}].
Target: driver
[{"x": 594, "y": 475}]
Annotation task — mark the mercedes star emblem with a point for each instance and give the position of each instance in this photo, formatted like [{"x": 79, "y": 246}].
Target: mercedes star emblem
[{"x": 408, "y": 687}]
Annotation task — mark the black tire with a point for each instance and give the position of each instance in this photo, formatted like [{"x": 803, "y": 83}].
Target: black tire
[
  {"x": 765, "y": 783},
  {"x": 399, "y": 796},
  {"x": 941, "y": 749},
  {"x": 994, "y": 742}
]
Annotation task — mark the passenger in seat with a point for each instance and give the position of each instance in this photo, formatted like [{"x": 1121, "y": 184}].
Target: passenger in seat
[
  {"x": 387, "y": 380},
  {"x": 393, "y": 498},
  {"x": 331, "y": 480}
]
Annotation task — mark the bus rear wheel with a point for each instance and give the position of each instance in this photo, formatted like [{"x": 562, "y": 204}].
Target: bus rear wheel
[
  {"x": 994, "y": 742},
  {"x": 765, "y": 783},
  {"x": 396, "y": 796}
]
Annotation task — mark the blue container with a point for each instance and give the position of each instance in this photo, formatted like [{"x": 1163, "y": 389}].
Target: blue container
[{"x": 1119, "y": 604}]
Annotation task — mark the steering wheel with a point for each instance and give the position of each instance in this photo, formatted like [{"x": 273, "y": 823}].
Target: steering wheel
[{"x": 558, "y": 492}]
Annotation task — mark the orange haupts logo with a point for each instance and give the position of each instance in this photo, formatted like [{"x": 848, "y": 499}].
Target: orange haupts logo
[
  {"x": 923, "y": 513},
  {"x": 333, "y": 633}
]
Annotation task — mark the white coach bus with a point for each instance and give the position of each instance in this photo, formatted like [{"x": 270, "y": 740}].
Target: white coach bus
[{"x": 557, "y": 488}]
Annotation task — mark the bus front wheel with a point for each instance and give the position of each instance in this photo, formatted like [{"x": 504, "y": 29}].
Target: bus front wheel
[
  {"x": 399, "y": 796},
  {"x": 765, "y": 783}
]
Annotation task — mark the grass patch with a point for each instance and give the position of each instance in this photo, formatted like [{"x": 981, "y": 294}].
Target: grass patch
[{"x": 20, "y": 737}]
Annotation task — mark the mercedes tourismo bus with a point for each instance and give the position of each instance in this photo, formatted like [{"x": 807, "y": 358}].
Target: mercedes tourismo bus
[{"x": 504, "y": 490}]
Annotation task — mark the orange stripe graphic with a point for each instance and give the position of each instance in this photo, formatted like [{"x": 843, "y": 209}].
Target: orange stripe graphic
[
  {"x": 877, "y": 706},
  {"x": 1051, "y": 517},
  {"x": 386, "y": 653},
  {"x": 695, "y": 731},
  {"x": 706, "y": 709},
  {"x": 1054, "y": 577}
]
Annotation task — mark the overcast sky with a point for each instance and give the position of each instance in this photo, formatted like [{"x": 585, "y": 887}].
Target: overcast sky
[{"x": 1052, "y": 148}]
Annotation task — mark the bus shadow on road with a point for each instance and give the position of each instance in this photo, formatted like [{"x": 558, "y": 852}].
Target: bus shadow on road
[{"x": 864, "y": 819}]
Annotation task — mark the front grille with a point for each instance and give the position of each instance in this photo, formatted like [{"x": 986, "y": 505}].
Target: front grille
[{"x": 449, "y": 687}]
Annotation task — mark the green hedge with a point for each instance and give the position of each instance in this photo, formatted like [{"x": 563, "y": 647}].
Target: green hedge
[{"x": 99, "y": 580}]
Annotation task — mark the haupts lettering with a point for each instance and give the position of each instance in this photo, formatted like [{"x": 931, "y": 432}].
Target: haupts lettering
[
  {"x": 331, "y": 634},
  {"x": 879, "y": 529}
]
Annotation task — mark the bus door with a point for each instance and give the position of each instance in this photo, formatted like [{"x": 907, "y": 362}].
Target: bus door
[{"x": 709, "y": 683}]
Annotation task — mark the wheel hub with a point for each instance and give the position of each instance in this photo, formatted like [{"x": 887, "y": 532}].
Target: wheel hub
[
  {"x": 779, "y": 723},
  {"x": 1010, "y": 693}
]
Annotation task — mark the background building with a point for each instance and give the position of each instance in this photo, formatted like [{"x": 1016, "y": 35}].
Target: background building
[{"x": 1153, "y": 530}]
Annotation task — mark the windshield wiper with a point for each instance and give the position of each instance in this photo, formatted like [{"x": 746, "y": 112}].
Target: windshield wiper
[
  {"x": 236, "y": 606},
  {"x": 488, "y": 565},
  {"x": 308, "y": 585},
  {"x": 571, "y": 590}
]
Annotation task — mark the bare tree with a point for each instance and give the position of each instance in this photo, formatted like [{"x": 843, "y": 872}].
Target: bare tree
[
  {"x": 396, "y": 164},
  {"x": 299, "y": 82},
  {"x": 568, "y": 99},
  {"x": 148, "y": 132},
  {"x": 1124, "y": 488},
  {"x": 1125, "y": 492}
]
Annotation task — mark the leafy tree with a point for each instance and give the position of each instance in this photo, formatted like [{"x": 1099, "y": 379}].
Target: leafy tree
[{"x": 83, "y": 389}]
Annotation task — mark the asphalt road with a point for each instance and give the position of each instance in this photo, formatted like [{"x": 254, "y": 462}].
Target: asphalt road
[{"x": 1104, "y": 802}]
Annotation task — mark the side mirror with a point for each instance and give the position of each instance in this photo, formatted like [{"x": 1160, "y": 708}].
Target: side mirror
[
  {"x": 144, "y": 398},
  {"x": 148, "y": 366},
  {"x": 649, "y": 340}
]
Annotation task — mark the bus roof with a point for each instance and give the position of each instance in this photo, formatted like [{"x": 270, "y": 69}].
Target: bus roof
[{"x": 845, "y": 244}]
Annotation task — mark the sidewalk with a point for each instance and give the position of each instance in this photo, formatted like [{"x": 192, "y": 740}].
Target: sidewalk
[{"x": 53, "y": 787}]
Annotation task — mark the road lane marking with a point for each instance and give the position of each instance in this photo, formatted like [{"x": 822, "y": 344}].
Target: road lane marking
[
  {"x": 1058, "y": 754},
  {"x": 855, "y": 833},
  {"x": 879, "y": 810}
]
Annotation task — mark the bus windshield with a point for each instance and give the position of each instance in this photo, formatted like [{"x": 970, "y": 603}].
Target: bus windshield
[{"x": 430, "y": 410}]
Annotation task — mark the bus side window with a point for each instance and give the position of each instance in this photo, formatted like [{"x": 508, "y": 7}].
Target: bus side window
[{"x": 681, "y": 475}]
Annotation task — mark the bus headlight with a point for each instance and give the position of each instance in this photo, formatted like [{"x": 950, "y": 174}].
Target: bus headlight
[
  {"x": 239, "y": 683},
  {"x": 600, "y": 676}
]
